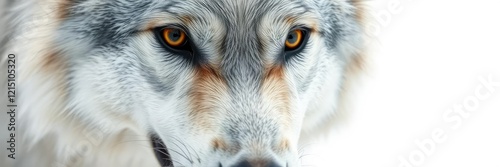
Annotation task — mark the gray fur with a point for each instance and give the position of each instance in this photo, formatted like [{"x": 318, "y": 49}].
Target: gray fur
[{"x": 116, "y": 67}]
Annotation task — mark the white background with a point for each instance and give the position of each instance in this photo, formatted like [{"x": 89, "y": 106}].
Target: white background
[{"x": 425, "y": 59}]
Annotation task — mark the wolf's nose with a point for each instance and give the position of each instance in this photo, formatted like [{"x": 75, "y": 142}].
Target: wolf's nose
[{"x": 256, "y": 163}]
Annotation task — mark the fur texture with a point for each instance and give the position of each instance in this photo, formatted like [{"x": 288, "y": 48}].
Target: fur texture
[{"x": 94, "y": 82}]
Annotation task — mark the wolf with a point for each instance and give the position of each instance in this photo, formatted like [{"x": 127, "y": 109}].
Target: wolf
[{"x": 198, "y": 83}]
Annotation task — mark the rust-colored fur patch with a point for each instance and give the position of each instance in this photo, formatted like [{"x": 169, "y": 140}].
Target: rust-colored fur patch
[
  {"x": 283, "y": 146},
  {"x": 360, "y": 10},
  {"x": 52, "y": 62},
  {"x": 219, "y": 144},
  {"x": 186, "y": 19},
  {"x": 63, "y": 8},
  {"x": 53, "y": 66},
  {"x": 208, "y": 89},
  {"x": 276, "y": 91},
  {"x": 290, "y": 20}
]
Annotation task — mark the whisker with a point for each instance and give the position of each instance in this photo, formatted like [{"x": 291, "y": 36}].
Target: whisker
[
  {"x": 173, "y": 150},
  {"x": 301, "y": 149},
  {"x": 304, "y": 155},
  {"x": 184, "y": 153},
  {"x": 187, "y": 149}
]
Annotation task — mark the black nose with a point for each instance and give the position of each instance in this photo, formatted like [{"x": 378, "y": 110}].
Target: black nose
[{"x": 256, "y": 163}]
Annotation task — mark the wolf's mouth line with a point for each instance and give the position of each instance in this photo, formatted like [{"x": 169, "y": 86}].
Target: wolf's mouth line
[{"x": 161, "y": 152}]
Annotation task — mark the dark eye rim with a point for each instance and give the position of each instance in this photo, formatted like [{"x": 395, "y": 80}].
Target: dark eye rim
[
  {"x": 189, "y": 52},
  {"x": 289, "y": 53},
  {"x": 183, "y": 49}
]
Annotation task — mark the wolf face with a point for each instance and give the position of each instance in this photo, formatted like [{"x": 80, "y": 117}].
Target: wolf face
[{"x": 215, "y": 83}]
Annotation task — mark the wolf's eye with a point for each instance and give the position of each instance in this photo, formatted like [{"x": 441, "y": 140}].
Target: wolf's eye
[
  {"x": 294, "y": 39},
  {"x": 175, "y": 40},
  {"x": 174, "y": 37}
]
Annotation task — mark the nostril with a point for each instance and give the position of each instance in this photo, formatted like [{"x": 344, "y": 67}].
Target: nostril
[{"x": 256, "y": 163}]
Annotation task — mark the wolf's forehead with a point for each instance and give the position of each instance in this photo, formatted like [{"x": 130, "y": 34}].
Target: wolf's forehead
[
  {"x": 239, "y": 15},
  {"x": 235, "y": 12},
  {"x": 238, "y": 18},
  {"x": 111, "y": 21},
  {"x": 239, "y": 29}
]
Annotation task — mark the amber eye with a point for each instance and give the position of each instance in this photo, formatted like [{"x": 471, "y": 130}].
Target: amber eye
[
  {"x": 174, "y": 37},
  {"x": 294, "y": 39}
]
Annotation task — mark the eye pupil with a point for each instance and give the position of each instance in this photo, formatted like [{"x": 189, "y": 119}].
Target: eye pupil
[
  {"x": 292, "y": 38},
  {"x": 175, "y": 35}
]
